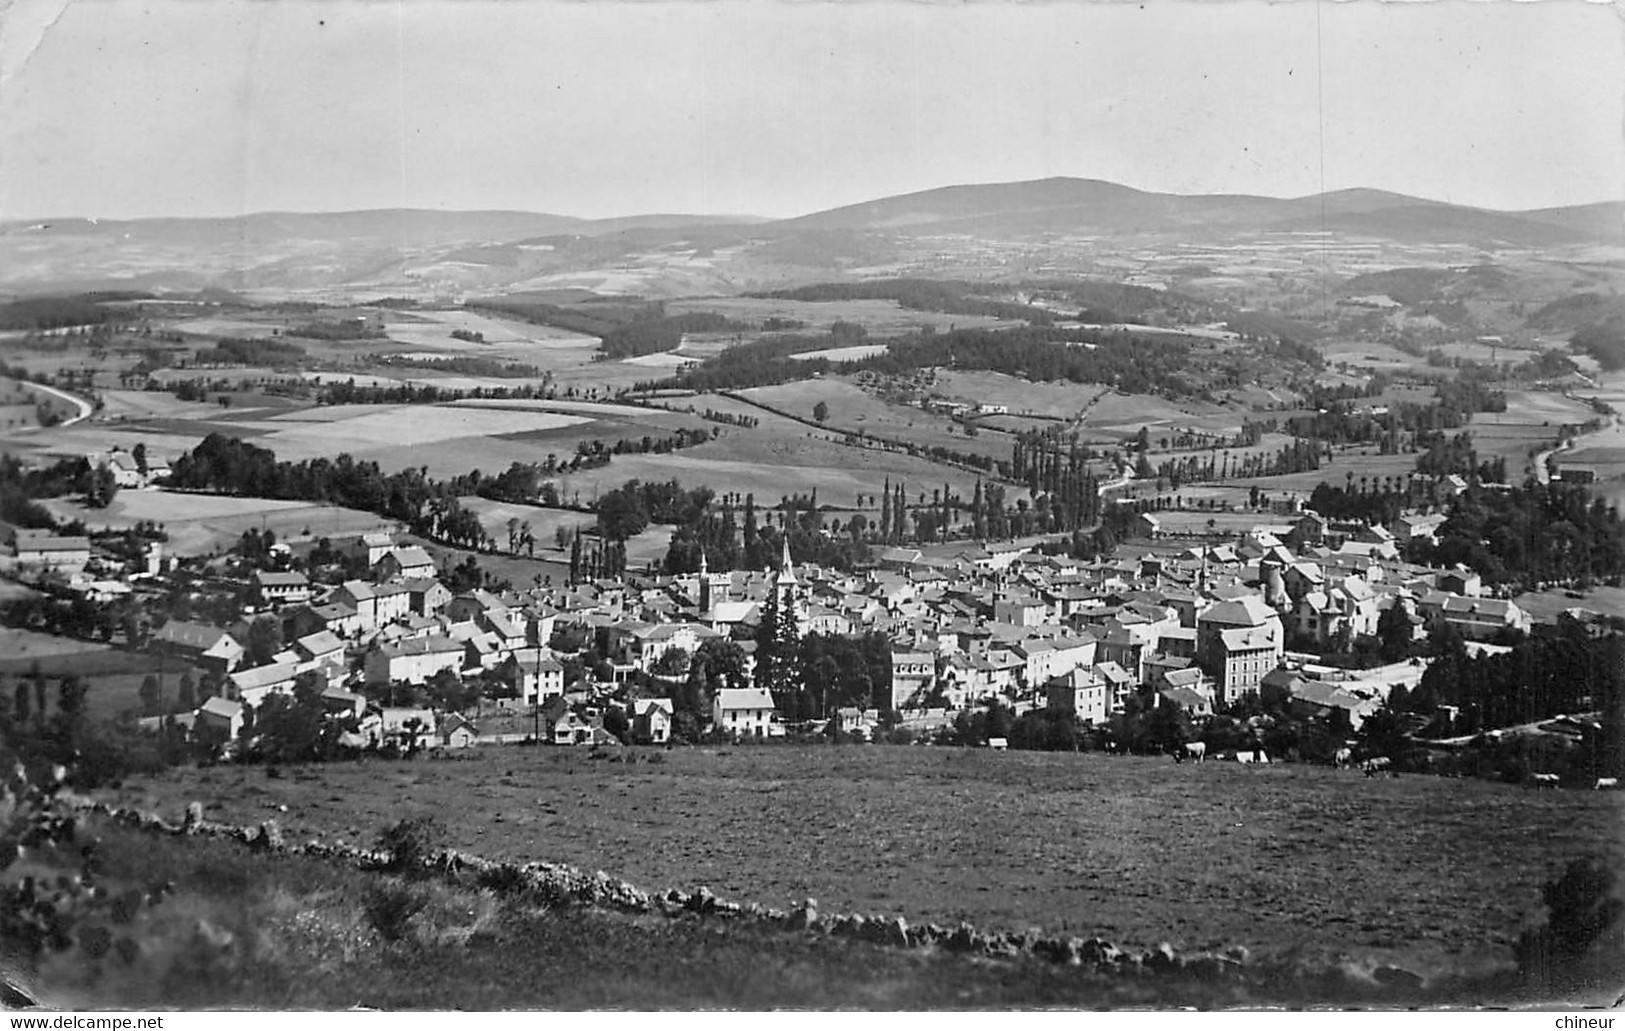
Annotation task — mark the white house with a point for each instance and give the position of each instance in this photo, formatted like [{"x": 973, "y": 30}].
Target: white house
[
  {"x": 745, "y": 712},
  {"x": 413, "y": 661}
]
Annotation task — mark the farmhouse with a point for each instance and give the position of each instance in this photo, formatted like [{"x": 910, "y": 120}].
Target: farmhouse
[
  {"x": 458, "y": 732},
  {"x": 426, "y": 596},
  {"x": 651, "y": 720},
  {"x": 219, "y": 720},
  {"x": 208, "y": 646},
  {"x": 372, "y": 547},
  {"x": 745, "y": 712},
  {"x": 411, "y": 563}
]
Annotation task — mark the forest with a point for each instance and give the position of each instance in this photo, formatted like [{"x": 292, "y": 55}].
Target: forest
[{"x": 1534, "y": 534}]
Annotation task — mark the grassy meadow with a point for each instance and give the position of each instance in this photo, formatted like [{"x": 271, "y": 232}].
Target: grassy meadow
[
  {"x": 1323, "y": 865},
  {"x": 199, "y": 524},
  {"x": 293, "y": 932}
]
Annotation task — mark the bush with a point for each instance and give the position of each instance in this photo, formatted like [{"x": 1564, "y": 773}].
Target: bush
[
  {"x": 391, "y": 907},
  {"x": 410, "y": 843},
  {"x": 1583, "y": 922}
]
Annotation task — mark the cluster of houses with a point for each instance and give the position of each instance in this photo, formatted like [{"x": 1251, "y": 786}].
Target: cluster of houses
[
  {"x": 1190, "y": 625},
  {"x": 1194, "y": 628}
]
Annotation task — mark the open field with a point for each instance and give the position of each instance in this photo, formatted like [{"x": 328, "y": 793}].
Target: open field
[
  {"x": 772, "y": 465},
  {"x": 1124, "y": 414},
  {"x": 307, "y": 937},
  {"x": 1436, "y": 875},
  {"x": 17, "y": 645},
  {"x": 649, "y": 546},
  {"x": 1545, "y": 605},
  {"x": 112, "y": 676},
  {"x": 852, "y": 408},
  {"x": 1369, "y": 356},
  {"x": 1194, "y": 522},
  {"x": 149, "y": 404},
  {"x": 494, "y": 516},
  {"x": 855, "y": 353},
  {"x": 1336, "y": 472},
  {"x": 1059, "y": 399},
  {"x": 361, "y": 428},
  {"x": 543, "y": 346},
  {"x": 198, "y": 524}
]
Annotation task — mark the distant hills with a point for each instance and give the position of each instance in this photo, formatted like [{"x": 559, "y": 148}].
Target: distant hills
[
  {"x": 1088, "y": 206},
  {"x": 450, "y": 252}
]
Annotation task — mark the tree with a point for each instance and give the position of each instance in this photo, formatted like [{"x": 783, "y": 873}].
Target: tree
[
  {"x": 1394, "y": 631},
  {"x": 674, "y": 662},
  {"x": 149, "y": 695},
  {"x": 264, "y": 640},
  {"x": 821, "y": 411},
  {"x": 719, "y": 662}
]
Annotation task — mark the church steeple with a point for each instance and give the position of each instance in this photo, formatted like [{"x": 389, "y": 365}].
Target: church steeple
[
  {"x": 705, "y": 585},
  {"x": 787, "y": 572}
]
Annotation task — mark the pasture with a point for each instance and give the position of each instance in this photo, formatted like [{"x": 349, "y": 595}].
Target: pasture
[
  {"x": 112, "y": 676},
  {"x": 772, "y": 465},
  {"x": 199, "y": 524},
  {"x": 1370, "y": 356},
  {"x": 1436, "y": 875},
  {"x": 1124, "y": 414},
  {"x": 1060, "y": 399},
  {"x": 851, "y": 408},
  {"x": 359, "y": 429},
  {"x": 544, "y": 346}
]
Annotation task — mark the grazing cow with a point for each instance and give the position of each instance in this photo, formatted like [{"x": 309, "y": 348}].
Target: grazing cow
[
  {"x": 1255, "y": 755},
  {"x": 1342, "y": 757},
  {"x": 1544, "y": 780},
  {"x": 1372, "y": 767},
  {"x": 1605, "y": 784}
]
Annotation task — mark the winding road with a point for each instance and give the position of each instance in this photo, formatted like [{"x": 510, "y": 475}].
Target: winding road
[
  {"x": 84, "y": 407},
  {"x": 1542, "y": 474}
]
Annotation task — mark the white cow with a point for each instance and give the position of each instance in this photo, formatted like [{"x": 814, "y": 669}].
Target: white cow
[
  {"x": 1197, "y": 750},
  {"x": 1544, "y": 780},
  {"x": 1372, "y": 767},
  {"x": 1605, "y": 784},
  {"x": 1342, "y": 757}
]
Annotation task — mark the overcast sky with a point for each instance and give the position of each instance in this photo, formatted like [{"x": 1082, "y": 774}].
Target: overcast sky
[{"x": 771, "y": 107}]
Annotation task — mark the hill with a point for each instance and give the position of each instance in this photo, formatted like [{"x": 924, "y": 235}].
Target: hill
[
  {"x": 1090, "y": 205},
  {"x": 441, "y": 254}
]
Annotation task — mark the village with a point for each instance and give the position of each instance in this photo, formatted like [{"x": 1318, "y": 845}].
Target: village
[{"x": 402, "y": 662}]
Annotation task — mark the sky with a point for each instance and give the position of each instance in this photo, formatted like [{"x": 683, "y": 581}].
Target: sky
[{"x": 136, "y": 108}]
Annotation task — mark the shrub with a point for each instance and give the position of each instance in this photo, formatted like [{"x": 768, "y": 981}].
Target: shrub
[
  {"x": 391, "y": 907},
  {"x": 1583, "y": 917},
  {"x": 410, "y": 843}
]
